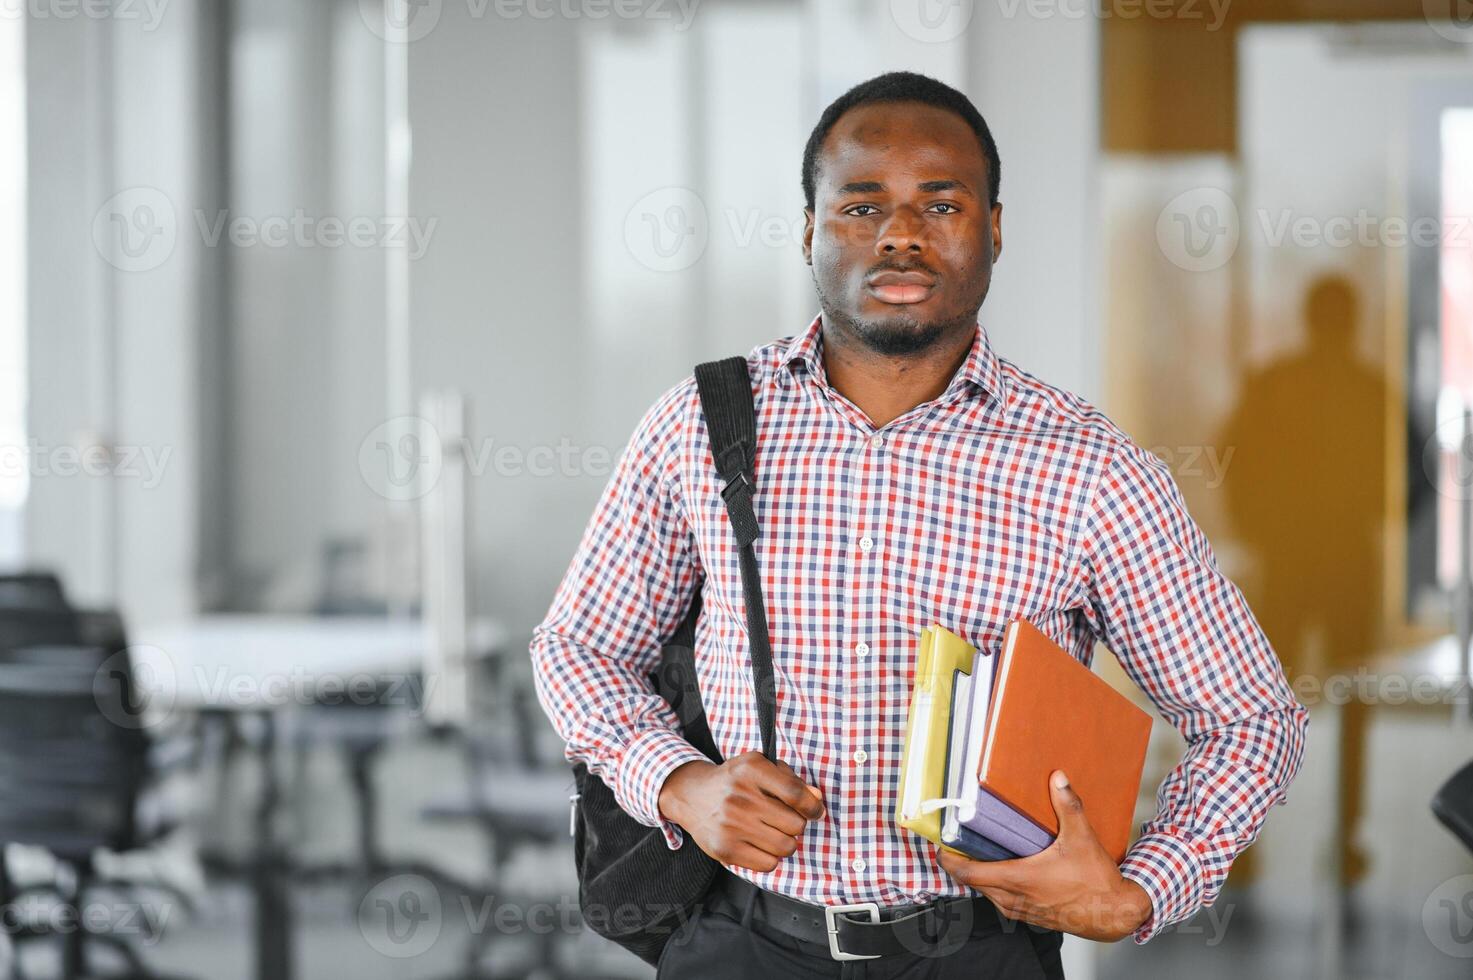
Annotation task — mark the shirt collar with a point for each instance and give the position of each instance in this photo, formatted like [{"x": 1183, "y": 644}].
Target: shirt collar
[{"x": 980, "y": 369}]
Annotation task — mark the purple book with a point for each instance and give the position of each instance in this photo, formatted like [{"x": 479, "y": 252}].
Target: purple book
[
  {"x": 1001, "y": 824},
  {"x": 977, "y": 809}
]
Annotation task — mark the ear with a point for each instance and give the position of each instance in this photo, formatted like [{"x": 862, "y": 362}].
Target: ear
[
  {"x": 808, "y": 236},
  {"x": 996, "y": 230}
]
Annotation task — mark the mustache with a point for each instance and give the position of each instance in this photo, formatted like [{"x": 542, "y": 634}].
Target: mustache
[{"x": 910, "y": 267}]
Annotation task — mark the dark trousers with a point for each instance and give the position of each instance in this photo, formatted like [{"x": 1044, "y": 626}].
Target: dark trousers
[{"x": 723, "y": 942}]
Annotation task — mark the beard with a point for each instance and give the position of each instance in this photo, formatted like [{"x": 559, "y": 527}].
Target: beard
[
  {"x": 891, "y": 336},
  {"x": 896, "y": 335}
]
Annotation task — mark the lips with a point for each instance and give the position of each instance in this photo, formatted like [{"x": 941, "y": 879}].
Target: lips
[{"x": 901, "y": 287}]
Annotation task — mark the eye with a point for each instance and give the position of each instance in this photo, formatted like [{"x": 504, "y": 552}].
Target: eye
[
  {"x": 950, "y": 208},
  {"x": 868, "y": 208}
]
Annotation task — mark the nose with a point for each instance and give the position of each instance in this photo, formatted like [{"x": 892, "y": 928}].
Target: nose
[{"x": 904, "y": 232}]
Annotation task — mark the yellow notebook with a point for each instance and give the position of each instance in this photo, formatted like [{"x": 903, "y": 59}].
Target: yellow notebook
[{"x": 942, "y": 656}]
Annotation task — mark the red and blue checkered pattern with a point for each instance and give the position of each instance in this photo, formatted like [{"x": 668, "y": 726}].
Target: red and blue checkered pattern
[{"x": 1002, "y": 497}]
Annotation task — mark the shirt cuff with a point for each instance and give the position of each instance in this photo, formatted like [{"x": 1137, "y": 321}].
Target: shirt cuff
[
  {"x": 1169, "y": 870},
  {"x": 643, "y": 768}
]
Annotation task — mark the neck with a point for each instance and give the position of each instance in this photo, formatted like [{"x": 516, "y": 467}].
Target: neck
[{"x": 883, "y": 386}]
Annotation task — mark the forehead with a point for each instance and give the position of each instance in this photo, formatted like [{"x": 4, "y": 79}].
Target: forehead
[{"x": 909, "y": 138}]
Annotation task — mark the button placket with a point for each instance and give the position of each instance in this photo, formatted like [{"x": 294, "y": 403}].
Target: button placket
[{"x": 860, "y": 728}]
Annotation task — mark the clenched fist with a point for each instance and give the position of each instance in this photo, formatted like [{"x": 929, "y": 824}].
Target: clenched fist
[{"x": 747, "y": 811}]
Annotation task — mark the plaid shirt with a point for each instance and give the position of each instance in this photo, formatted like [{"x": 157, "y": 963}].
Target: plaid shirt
[{"x": 1003, "y": 497}]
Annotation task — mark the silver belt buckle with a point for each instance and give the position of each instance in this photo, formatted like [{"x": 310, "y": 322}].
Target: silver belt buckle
[{"x": 833, "y": 928}]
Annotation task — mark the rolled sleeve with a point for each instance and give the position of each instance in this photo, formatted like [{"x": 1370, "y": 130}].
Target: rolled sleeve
[
  {"x": 1185, "y": 635},
  {"x": 628, "y": 587},
  {"x": 648, "y": 761},
  {"x": 1170, "y": 873}
]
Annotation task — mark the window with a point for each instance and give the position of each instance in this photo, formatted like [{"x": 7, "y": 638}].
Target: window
[{"x": 14, "y": 481}]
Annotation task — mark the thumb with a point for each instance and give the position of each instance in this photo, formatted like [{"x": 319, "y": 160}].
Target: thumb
[{"x": 1068, "y": 807}]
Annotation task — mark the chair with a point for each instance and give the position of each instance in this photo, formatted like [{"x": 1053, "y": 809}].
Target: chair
[
  {"x": 22, "y": 627},
  {"x": 517, "y": 800},
  {"x": 32, "y": 590},
  {"x": 71, "y": 777},
  {"x": 1452, "y": 805}
]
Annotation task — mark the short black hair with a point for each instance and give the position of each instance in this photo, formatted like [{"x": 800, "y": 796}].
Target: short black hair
[{"x": 901, "y": 86}]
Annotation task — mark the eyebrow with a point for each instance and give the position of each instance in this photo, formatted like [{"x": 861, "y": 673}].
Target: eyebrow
[{"x": 925, "y": 187}]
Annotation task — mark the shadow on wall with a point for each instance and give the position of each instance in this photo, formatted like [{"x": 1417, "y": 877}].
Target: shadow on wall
[{"x": 1306, "y": 494}]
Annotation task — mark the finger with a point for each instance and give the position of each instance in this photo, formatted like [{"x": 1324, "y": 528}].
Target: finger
[
  {"x": 781, "y": 782},
  {"x": 753, "y": 858},
  {"x": 979, "y": 874},
  {"x": 1068, "y": 807},
  {"x": 770, "y": 840},
  {"x": 779, "y": 816},
  {"x": 1009, "y": 903}
]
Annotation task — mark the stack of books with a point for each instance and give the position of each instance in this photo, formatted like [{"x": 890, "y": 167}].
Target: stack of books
[{"x": 986, "y": 731}]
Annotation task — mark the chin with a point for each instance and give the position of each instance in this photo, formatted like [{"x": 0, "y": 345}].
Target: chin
[{"x": 899, "y": 333}]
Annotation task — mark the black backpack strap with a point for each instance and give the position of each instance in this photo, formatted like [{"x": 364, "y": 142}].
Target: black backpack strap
[{"x": 731, "y": 420}]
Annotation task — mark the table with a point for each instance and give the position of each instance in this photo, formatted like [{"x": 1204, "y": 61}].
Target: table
[{"x": 262, "y": 665}]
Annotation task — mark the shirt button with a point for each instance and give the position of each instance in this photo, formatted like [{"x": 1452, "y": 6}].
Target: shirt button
[
  {"x": 877, "y": 441},
  {"x": 862, "y": 650},
  {"x": 861, "y": 756},
  {"x": 865, "y": 544},
  {"x": 858, "y": 865}
]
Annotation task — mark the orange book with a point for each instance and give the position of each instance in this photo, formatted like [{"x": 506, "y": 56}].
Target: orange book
[{"x": 1049, "y": 712}]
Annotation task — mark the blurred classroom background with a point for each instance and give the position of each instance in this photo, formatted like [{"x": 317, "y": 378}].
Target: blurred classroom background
[{"x": 322, "y": 325}]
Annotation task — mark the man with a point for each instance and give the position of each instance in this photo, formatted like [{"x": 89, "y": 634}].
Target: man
[{"x": 905, "y": 475}]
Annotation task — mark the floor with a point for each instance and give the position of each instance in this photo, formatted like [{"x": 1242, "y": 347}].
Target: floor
[{"x": 1411, "y": 919}]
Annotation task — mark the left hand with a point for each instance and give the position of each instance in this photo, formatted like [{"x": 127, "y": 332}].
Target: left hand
[{"x": 1072, "y": 885}]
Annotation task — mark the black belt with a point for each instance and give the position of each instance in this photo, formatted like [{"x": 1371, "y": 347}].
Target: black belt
[{"x": 863, "y": 931}]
